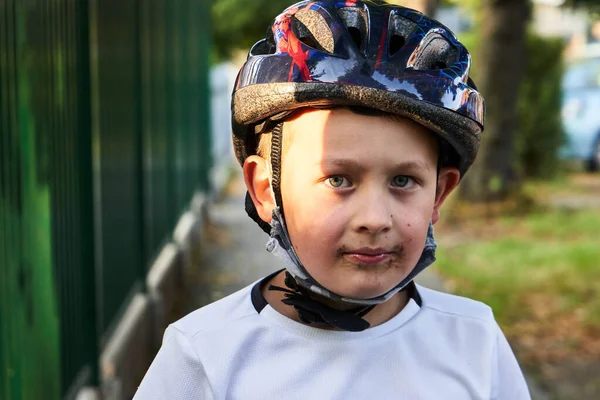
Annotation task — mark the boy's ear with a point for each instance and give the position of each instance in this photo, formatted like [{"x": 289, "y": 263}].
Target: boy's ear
[
  {"x": 448, "y": 179},
  {"x": 256, "y": 176}
]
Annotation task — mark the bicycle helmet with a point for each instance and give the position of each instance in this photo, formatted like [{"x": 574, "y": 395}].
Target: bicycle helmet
[{"x": 360, "y": 53}]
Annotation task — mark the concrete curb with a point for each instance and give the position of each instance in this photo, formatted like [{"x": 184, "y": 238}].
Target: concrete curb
[
  {"x": 138, "y": 335},
  {"x": 125, "y": 358},
  {"x": 163, "y": 284},
  {"x": 88, "y": 393}
]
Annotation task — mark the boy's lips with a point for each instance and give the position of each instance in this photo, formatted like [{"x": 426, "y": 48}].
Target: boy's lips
[{"x": 368, "y": 255}]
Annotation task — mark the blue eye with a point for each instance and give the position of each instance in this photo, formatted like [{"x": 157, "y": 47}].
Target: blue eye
[
  {"x": 337, "y": 181},
  {"x": 403, "y": 181}
]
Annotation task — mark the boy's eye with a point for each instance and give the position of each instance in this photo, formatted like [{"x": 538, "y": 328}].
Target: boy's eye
[
  {"x": 403, "y": 181},
  {"x": 338, "y": 181}
]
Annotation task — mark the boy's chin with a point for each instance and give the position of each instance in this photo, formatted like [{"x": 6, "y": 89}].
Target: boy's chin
[
  {"x": 361, "y": 283},
  {"x": 362, "y": 292},
  {"x": 364, "y": 287}
]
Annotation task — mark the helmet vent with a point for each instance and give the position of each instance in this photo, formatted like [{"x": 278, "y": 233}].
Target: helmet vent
[
  {"x": 354, "y": 19},
  {"x": 356, "y": 36},
  {"x": 435, "y": 52},
  {"x": 399, "y": 29},
  {"x": 310, "y": 41},
  {"x": 439, "y": 65},
  {"x": 311, "y": 29},
  {"x": 264, "y": 46},
  {"x": 396, "y": 43}
]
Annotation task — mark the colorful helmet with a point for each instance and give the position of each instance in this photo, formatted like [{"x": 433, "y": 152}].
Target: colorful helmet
[{"x": 360, "y": 53}]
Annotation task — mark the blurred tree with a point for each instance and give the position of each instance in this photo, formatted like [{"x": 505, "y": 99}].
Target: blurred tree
[
  {"x": 540, "y": 133},
  {"x": 593, "y": 6},
  {"x": 502, "y": 25}
]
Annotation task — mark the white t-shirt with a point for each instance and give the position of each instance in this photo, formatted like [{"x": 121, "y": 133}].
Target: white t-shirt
[{"x": 439, "y": 346}]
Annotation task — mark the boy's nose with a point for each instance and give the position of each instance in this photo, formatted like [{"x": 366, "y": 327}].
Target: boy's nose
[{"x": 373, "y": 216}]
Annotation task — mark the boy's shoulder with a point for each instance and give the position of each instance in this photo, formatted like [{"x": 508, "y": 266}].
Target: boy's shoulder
[
  {"x": 453, "y": 305},
  {"x": 219, "y": 314}
]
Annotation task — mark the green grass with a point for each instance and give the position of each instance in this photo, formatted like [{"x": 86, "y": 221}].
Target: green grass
[
  {"x": 565, "y": 225},
  {"x": 555, "y": 253}
]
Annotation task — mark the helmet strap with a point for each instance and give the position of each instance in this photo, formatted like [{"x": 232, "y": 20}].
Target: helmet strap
[
  {"x": 275, "y": 179},
  {"x": 311, "y": 311},
  {"x": 252, "y": 213},
  {"x": 276, "y": 145}
]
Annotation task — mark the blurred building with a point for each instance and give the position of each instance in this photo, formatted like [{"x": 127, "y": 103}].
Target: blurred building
[{"x": 552, "y": 19}]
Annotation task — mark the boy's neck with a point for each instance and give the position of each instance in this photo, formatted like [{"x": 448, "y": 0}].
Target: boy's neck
[{"x": 377, "y": 316}]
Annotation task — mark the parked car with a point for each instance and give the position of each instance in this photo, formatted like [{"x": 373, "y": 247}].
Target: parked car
[{"x": 581, "y": 112}]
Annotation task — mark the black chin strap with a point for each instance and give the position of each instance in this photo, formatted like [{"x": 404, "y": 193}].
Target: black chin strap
[
  {"x": 252, "y": 213},
  {"x": 311, "y": 311}
]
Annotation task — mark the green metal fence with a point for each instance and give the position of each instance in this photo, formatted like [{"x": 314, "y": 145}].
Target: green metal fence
[{"x": 103, "y": 141}]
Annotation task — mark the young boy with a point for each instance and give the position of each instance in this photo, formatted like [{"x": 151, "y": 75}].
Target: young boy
[{"x": 353, "y": 120}]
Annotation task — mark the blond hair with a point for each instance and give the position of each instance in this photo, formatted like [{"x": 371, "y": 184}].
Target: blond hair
[{"x": 264, "y": 143}]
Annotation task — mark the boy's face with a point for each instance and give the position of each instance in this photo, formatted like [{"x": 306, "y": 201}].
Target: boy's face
[{"x": 358, "y": 195}]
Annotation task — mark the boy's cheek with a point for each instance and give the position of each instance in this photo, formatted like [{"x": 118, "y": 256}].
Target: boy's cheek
[
  {"x": 314, "y": 205},
  {"x": 315, "y": 228}
]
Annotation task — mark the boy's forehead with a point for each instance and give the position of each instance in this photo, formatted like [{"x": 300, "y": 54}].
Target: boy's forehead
[
  {"x": 324, "y": 120},
  {"x": 341, "y": 133},
  {"x": 308, "y": 118}
]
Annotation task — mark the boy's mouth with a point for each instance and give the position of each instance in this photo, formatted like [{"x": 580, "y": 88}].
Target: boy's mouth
[{"x": 369, "y": 255}]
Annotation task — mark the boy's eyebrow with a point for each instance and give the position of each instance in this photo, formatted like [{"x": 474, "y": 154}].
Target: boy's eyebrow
[{"x": 352, "y": 164}]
